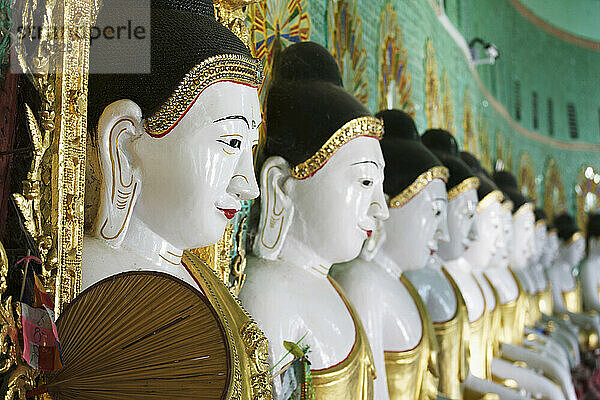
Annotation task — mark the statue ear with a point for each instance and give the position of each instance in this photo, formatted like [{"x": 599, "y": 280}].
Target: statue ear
[
  {"x": 119, "y": 124},
  {"x": 276, "y": 210}
]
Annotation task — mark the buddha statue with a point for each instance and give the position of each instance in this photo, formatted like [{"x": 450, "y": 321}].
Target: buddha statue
[
  {"x": 537, "y": 351},
  {"x": 484, "y": 253},
  {"x": 538, "y": 273},
  {"x": 395, "y": 318},
  {"x": 566, "y": 288},
  {"x": 322, "y": 185},
  {"x": 590, "y": 269},
  {"x": 462, "y": 192},
  {"x": 415, "y": 254},
  {"x": 175, "y": 152}
]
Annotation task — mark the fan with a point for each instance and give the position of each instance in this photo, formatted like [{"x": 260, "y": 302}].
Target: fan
[{"x": 141, "y": 335}]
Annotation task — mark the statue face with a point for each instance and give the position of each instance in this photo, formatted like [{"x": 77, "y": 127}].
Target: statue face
[
  {"x": 489, "y": 241},
  {"x": 336, "y": 209},
  {"x": 523, "y": 242},
  {"x": 550, "y": 252},
  {"x": 413, "y": 230},
  {"x": 574, "y": 252},
  {"x": 540, "y": 235},
  {"x": 461, "y": 225},
  {"x": 502, "y": 257},
  {"x": 194, "y": 178}
]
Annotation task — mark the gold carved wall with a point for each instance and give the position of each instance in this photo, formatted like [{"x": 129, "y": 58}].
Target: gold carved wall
[
  {"x": 555, "y": 200},
  {"x": 395, "y": 86},
  {"x": 433, "y": 106},
  {"x": 587, "y": 194}
]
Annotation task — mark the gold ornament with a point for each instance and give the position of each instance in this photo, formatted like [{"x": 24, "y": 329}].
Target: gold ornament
[
  {"x": 433, "y": 106},
  {"x": 526, "y": 177},
  {"x": 555, "y": 200},
  {"x": 363, "y": 126},
  {"x": 464, "y": 186},
  {"x": 232, "y": 15},
  {"x": 346, "y": 45},
  {"x": 394, "y": 81},
  {"x": 470, "y": 139},
  {"x": 223, "y": 67},
  {"x": 447, "y": 106},
  {"x": 490, "y": 198},
  {"x": 419, "y": 184},
  {"x": 587, "y": 194}
]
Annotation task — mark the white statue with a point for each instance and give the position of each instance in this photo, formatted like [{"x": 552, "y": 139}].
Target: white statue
[
  {"x": 316, "y": 210},
  {"x": 590, "y": 269}
]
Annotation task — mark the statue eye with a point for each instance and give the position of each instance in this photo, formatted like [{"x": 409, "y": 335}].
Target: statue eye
[
  {"x": 233, "y": 143},
  {"x": 366, "y": 182},
  {"x": 438, "y": 213}
]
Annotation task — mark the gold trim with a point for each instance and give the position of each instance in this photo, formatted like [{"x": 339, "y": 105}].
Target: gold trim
[
  {"x": 553, "y": 230},
  {"x": 523, "y": 209},
  {"x": 508, "y": 205},
  {"x": 464, "y": 186},
  {"x": 540, "y": 222},
  {"x": 576, "y": 236},
  {"x": 419, "y": 184},
  {"x": 363, "y": 126},
  {"x": 220, "y": 68},
  {"x": 488, "y": 199}
]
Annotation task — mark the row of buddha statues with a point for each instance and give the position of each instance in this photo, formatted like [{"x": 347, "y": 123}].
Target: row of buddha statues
[{"x": 405, "y": 268}]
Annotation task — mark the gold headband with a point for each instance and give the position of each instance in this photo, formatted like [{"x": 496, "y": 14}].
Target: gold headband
[
  {"x": 540, "y": 222},
  {"x": 419, "y": 184},
  {"x": 552, "y": 231},
  {"x": 221, "y": 68},
  {"x": 363, "y": 126},
  {"x": 577, "y": 235},
  {"x": 508, "y": 205},
  {"x": 523, "y": 209},
  {"x": 488, "y": 199},
  {"x": 464, "y": 186}
]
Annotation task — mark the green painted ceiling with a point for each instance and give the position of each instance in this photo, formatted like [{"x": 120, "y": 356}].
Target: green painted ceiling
[{"x": 578, "y": 17}]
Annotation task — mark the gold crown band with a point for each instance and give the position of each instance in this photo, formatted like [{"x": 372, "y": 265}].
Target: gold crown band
[
  {"x": 363, "y": 126},
  {"x": 540, "y": 222},
  {"x": 419, "y": 184},
  {"x": 576, "y": 236},
  {"x": 219, "y": 68},
  {"x": 508, "y": 205},
  {"x": 464, "y": 186},
  {"x": 488, "y": 199},
  {"x": 552, "y": 231},
  {"x": 523, "y": 209}
]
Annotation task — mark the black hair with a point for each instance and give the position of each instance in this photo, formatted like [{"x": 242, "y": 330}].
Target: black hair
[
  {"x": 508, "y": 184},
  {"x": 565, "y": 225},
  {"x": 405, "y": 156},
  {"x": 306, "y": 103},
  {"x": 486, "y": 184},
  {"x": 183, "y": 34}
]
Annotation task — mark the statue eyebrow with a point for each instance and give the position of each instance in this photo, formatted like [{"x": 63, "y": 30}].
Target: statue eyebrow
[
  {"x": 233, "y": 117},
  {"x": 366, "y": 162}
]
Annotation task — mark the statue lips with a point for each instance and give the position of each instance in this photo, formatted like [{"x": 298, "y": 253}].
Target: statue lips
[
  {"x": 228, "y": 212},
  {"x": 369, "y": 233}
]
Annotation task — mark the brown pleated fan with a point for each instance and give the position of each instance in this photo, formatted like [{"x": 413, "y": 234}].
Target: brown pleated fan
[{"x": 141, "y": 335}]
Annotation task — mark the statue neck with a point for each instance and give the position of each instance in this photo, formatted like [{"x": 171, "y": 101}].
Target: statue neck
[
  {"x": 297, "y": 253},
  {"x": 388, "y": 264},
  {"x": 147, "y": 244}
]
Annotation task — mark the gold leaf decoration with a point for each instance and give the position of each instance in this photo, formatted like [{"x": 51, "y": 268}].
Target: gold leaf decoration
[
  {"x": 484, "y": 142},
  {"x": 447, "y": 105},
  {"x": 526, "y": 177},
  {"x": 555, "y": 200},
  {"x": 346, "y": 45},
  {"x": 395, "y": 84},
  {"x": 433, "y": 107},
  {"x": 470, "y": 139},
  {"x": 587, "y": 194}
]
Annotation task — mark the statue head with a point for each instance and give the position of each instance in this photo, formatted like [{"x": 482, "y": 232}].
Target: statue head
[
  {"x": 540, "y": 234},
  {"x": 322, "y": 181},
  {"x": 502, "y": 257},
  {"x": 571, "y": 240},
  {"x": 176, "y": 144},
  {"x": 593, "y": 234},
  {"x": 462, "y": 193},
  {"x": 550, "y": 252},
  {"x": 415, "y": 184},
  {"x": 489, "y": 242},
  {"x": 523, "y": 220}
]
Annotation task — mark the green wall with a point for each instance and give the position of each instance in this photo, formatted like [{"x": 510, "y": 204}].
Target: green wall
[{"x": 541, "y": 62}]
